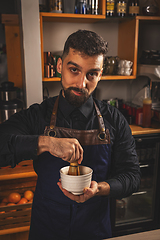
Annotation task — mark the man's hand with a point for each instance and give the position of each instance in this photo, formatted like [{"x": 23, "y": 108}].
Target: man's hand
[
  {"x": 95, "y": 188},
  {"x": 69, "y": 149}
]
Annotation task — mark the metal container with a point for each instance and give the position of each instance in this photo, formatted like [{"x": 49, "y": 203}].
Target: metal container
[
  {"x": 9, "y": 103},
  {"x": 55, "y": 6}
]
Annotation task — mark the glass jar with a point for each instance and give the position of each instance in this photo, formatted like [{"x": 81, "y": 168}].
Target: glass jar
[
  {"x": 55, "y": 6},
  {"x": 82, "y": 7},
  {"x": 133, "y": 8},
  {"x": 121, "y": 8},
  {"x": 110, "y": 8}
]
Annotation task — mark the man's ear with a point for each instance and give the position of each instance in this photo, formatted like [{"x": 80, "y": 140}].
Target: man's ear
[
  {"x": 59, "y": 65},
  {"x": 100, "y": 75}
]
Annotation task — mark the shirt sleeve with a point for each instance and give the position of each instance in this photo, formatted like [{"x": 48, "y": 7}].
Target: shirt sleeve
[
  {"x": 126, "y": 175},
  {"x": 19, "y": 138}
]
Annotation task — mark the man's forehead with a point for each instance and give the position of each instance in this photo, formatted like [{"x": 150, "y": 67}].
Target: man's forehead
[
  {"x": 82, "y": 54},
  {"x": 77, "y": 52}
]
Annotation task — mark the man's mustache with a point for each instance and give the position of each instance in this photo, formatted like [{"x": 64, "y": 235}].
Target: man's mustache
[{"x": 81, "y": 90}]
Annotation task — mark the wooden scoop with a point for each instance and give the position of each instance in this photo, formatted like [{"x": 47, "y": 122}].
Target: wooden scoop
[{"x": 74, "y": 169}]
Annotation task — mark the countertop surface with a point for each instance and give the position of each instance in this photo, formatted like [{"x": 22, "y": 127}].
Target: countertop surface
[
  {"x": 137, "y": 130},
  {"x": 149, "y": 235}
]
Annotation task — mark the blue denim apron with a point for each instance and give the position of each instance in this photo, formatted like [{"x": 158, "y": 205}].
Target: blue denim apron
[{"x": 55, "y": 216}]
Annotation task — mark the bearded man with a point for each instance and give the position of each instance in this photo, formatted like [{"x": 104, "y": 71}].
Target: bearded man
[{"x": 74, "y": 127}]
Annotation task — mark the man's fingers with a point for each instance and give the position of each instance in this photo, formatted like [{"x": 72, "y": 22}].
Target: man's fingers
[
  {"x": 87, "y": 194},
  {"x": 81, "y": 155},
  {"x": 77, "y": 153}
]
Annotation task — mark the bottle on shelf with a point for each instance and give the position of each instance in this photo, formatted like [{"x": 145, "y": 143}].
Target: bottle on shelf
[
  {"x": 55, "y": 6},
  {"x": 94, "y": 7},
  {"x": 42, "y": 6},
  {"x": 110, "y": 8},
  {"x": 89, "y": 6},
  {"x": 82, "y": 7},
  {"x": 68, "y": 6},
  {"x": 150, "y": 8},
  {"x": 121, "y": 8},
  {"x": 133, "y": 8},
  {"x": 147, "y": 112}
]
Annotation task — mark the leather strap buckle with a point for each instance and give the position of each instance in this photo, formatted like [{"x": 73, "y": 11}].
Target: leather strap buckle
[
  {"x": 102, "y": 136},
  {"x": 51, "y": 133}
]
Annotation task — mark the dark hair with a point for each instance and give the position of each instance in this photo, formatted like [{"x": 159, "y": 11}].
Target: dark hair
[{"x": 86, "y": 42}]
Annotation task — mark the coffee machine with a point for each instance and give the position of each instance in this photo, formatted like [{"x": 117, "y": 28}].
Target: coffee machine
[
  {"x": 9, "y": 101},
  {"x": 153, "y": 72}
]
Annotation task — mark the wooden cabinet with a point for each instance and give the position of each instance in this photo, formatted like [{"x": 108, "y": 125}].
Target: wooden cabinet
[
  {"x": 128, "y": 35},
  {"x": 148, "y": 37},
  {"x": 140, "y": 211},
  {"x": 16, "y": 219},
  {"x": 13, "y": 48}
]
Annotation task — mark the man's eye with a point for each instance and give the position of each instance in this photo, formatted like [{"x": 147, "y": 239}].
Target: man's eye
[
  {"x": 92, "y": 75},
  {"x": 74, "y": 70}
]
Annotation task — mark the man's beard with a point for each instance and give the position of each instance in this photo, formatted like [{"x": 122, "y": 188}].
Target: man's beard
[{"x": 73, "y": 99}]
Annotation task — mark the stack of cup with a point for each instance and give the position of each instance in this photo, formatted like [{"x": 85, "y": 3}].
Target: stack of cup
[{"x": 125, "y": 67}]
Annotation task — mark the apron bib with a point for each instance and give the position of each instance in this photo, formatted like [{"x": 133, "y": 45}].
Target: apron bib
[{"x": 54, "y": 216}]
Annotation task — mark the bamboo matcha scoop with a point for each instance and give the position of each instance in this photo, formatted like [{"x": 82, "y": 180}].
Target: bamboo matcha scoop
[{"x": 74, "y": 169}]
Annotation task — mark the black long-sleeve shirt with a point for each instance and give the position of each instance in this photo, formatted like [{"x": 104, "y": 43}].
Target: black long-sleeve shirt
[{"x": 19, "y": 138}]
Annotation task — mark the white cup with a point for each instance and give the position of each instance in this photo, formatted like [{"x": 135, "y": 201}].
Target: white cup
[
  {"x": 76, "y": 184},
  {"x": 125, "y": 63},
  {"x": 127, "y": 71},
  {"x": 121, "y": 63},
  {"x": 128, "y": 64}
]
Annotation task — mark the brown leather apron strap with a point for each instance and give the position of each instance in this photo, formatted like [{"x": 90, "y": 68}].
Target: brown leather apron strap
[
  {"x": 102, "y": 132},
  {"x": 54, "y": 114}
]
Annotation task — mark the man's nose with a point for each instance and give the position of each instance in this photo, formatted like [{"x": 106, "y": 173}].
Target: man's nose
[{"x": 82, "y": 81}]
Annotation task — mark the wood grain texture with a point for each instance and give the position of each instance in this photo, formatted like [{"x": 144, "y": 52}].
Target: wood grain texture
[
  {"x": 20, "y": 233},
  {"x": 13, "y": 48},
  {"x": 128, "y": 42}
]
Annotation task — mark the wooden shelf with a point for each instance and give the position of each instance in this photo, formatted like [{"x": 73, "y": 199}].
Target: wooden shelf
[
  {"x": 54, "y": 79},
  {"x": 117, "y": 77},
  {"x": 68, "y": 17},
  {"x": 138, "y": 130},
  {"x": 130, "y": 43},
  {"x": 14, "y": 230},
  {"x": 155, "y": 18},
  {"x": 107, "y": 77},
  {"x": 71, "y": 17},
  {"x": 23, "y": 170}
]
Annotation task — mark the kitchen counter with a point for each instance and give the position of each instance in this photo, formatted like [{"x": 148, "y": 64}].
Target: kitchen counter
[
  {"x": 149, "y": 235},
  {"x": 137, "y": 130}
]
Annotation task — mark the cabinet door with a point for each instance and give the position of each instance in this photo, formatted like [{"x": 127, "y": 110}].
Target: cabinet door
[
  {"x": 139, "y": 211},
  {"x": 13, "y": 47}
]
